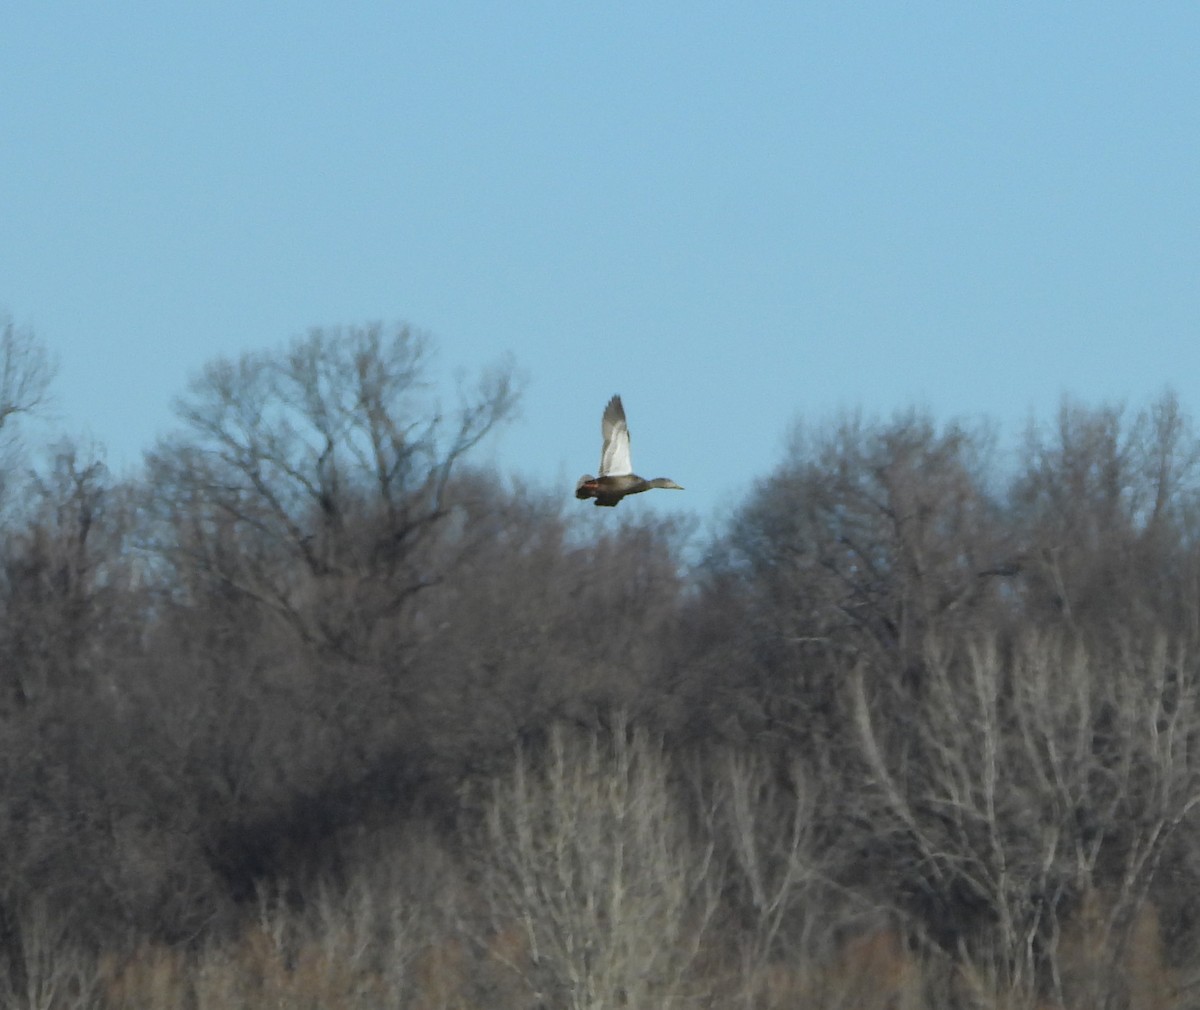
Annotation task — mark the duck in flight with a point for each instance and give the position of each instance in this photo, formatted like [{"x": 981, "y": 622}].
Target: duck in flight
[{"x": 617, "y": 478}]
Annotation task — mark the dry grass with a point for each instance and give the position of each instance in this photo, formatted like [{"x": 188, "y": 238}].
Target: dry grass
[
  {"x": 153, "y": 975},
  {"x": 256, "y": 972},
  {"x": 1102, "y": 961},
  {"x": 271, "y": 966},
  {"x": 872, "y": 970}
]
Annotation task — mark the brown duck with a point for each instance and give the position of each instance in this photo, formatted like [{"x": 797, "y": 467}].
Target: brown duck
[{"x": 617, "y": 478}]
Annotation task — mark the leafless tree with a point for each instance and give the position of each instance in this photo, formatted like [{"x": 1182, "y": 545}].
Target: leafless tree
[
  {"x": 783, "y": 871},
  {"x": 1106, "y": 505},
  {"x": 586, "y": 851},
  {"x": 997, "y": 687},
  {"x": 1029, "y": 778},
  {"x": 543, "y": 622},
  {"x": 68, "y": 576},
  {"x": 26, "y": 372},
  {"x": 867, "y": 539},
  {"x": 313, "y": 481}
]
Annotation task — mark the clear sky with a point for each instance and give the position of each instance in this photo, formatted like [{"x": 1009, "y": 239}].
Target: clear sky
[{"x": 736, "y": 215}]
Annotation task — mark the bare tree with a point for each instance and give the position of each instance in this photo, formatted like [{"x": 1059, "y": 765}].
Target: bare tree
[
  {"x": 538, "y": 625},
  {"x": 313, "y": 481},
  {"x": 1106, "y": 504},
  {"x": 782, "y": 874},
  {"x": 867, "y": 539},
  {"x": 997, "y": 691},
  {"x": 67, "y": 576},
  {"x": 1029, "y": 778},
  {"x": 26, "y": 371},
  {"x": 587, "y": 851}
]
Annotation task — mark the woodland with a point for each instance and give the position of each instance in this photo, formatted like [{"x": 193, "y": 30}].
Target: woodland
[{"x": 318, "y": 711}]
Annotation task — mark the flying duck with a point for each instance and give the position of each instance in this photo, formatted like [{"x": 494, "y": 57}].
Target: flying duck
[{"x": 617, "y": 478}]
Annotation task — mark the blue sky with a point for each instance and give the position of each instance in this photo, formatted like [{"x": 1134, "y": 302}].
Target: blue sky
[{"x": 737, "y": 216}]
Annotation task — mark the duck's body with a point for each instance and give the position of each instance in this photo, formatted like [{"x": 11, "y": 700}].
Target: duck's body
[
  {"x": 611, "y": 489},
  {"x": 616, "y": 479}
]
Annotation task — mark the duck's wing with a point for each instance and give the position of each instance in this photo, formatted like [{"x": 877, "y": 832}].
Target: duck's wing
[{"x": 614, "y": 456}]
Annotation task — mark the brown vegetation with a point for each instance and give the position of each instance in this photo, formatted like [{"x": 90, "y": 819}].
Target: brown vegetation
[{"x": 315, "y": 714}]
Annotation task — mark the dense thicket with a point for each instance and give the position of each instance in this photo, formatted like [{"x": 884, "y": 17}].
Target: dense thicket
[{"x": 314, "y": 653}]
